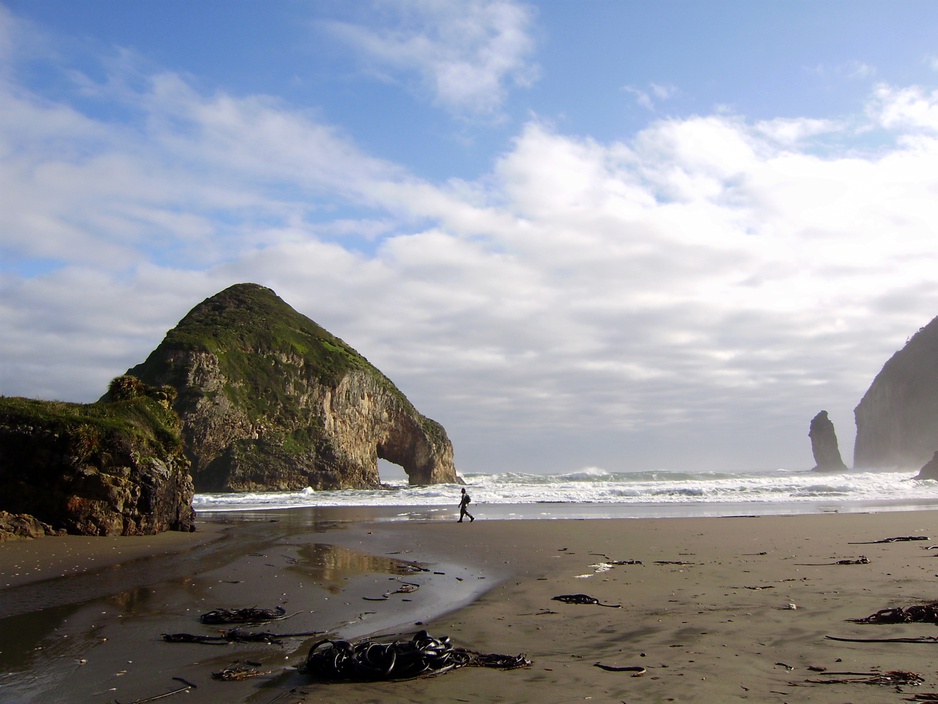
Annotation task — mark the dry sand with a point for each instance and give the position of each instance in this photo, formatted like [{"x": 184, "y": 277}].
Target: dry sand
[{"x": 714, "y": 609}]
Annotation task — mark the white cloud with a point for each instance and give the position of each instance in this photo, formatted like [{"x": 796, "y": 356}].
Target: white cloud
[
  {"x": 905, "y": 108},
  {"x": 860, "y": 69},
  {"x": 854, "y": 69},
  {"x": 656, "y": 92},
  {"x": 6, "y": 36},
  {"x": 707, "y": 279},
  {"x": 466, "y": 54},
  {"x": 641, "y": 97},
  {"x": 663, "y": 91},
  {"x": 793, "y": 131}
]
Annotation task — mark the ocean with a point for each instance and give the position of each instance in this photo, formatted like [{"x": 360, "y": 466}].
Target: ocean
[{"x": 596, "y": 493}]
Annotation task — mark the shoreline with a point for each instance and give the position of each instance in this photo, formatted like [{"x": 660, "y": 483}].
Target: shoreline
[
  {"x": 704, "y": 607},
  {"x": 576, "y": 510},
  {"x": 85, "y": 616}
]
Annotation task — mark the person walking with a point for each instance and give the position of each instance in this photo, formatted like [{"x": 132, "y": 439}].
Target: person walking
[{"x": 464, "y": 506}]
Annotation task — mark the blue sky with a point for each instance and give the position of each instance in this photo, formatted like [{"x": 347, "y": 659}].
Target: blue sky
[{"x": 626, "y": 235}]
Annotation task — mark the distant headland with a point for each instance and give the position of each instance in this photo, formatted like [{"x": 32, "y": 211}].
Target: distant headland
[
  {"x": 897, "y": 418},
  {"x": 244, "y": 394}
]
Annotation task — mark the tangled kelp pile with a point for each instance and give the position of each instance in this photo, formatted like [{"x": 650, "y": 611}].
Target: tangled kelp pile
[
  {"x": 583, "y": 599},
  {"x": 252, "y": 615},
  {"x": 893, "y": 678},
  {"x": 339, "y": 660},
  {"x": 235, "y": 635},
  {"x": 421, "y": 656},
  {"x": 917, "y": 613}
]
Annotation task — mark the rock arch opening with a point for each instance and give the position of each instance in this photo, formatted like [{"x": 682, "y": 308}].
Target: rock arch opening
[{"x": 391, "y": 472}]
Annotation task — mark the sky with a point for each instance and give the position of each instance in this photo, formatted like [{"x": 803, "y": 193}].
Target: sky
[{"x": 593, "y": 234}]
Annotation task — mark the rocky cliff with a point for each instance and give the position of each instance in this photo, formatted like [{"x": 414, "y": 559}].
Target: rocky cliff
[
  {"x": 269, "y": 400},
  {"x": 824, "y": 445},
  {"x": 897, "y": 419},
  {"x": 930, "y": 470},
  {"x": 107, "y": 468}
]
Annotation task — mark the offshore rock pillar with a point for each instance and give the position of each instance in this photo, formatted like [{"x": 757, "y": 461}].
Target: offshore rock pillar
[{"x": 824, "y": 445}]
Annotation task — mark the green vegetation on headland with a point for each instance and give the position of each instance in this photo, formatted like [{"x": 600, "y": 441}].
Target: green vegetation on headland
[
  {"x": 133, "y": 414},
  {"x": 243, "y": 394},
  {"x": 271, "y": 400},
  {"x": 114, "y": 467},
  {"x": 257, "y": 339}
]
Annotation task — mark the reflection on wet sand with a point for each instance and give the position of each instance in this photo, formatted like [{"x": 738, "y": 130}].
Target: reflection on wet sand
[
  {"x": 96, "y": 635},
  {"x": 332, "y": 565}
]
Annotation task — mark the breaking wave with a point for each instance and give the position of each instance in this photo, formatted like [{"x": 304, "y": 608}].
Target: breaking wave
[{"x": 595, "y": 486}]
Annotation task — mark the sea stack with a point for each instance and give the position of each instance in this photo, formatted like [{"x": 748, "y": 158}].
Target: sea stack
[
  {"x": 824, "y": 445},
  {"x": 269, "y": 400}
]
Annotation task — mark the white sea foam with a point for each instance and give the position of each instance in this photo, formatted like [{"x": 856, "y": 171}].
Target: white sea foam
[{"x": 628, "y": 493}]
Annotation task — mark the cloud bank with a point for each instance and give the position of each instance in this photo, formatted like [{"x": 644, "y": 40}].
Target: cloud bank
[{"x": 687, "y": 296}]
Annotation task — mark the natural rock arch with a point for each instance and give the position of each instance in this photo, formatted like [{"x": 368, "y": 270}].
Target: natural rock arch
[{"x": 269, "y": 400}]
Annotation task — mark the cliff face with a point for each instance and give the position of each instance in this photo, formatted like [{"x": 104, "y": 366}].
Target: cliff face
[
  {"x": 824, "y": 445},
  {"x": 897, "y": 419},
  {"x": 930, "y": 470},
  {"x": 108, "y": 468},
  {"x": 269, "y": 400}
]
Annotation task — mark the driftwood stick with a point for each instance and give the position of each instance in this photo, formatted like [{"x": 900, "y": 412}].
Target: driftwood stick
[
  {"x": 862, "y": 560},
  {"x": 918, "y": 639},
  {"x": 637, "y": 670},
  {"x": 186, "y": 686},
  {"x": 900, "y": 539}
]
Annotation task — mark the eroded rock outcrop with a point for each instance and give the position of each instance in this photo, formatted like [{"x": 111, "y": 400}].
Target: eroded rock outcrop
[
  {"x": 897, "y": 419},
  {"x": 19, "y": 526},
  {"x": 930, "y": 470},
  {"x": 269, "y": 400},
  {"x": 824, "y": 445},
  {"x": 107, "y": 468}
]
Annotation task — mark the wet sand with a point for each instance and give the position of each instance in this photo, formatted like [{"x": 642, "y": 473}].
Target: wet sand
[{"x": 713, "y": 609}]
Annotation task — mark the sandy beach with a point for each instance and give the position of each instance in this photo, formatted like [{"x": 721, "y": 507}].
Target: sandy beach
[{"x": 712, "y": 609}]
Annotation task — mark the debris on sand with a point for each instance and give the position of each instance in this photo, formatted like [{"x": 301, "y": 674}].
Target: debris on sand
[
  {"x": 252, "y": 615},
  {"x": 421, "y": 656},
  {"x": 899, "y": 539},
  {"x": 917, "y": 613},
  {"x": 893, "y": 678},
  {"x": 583, "y": 599}
]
